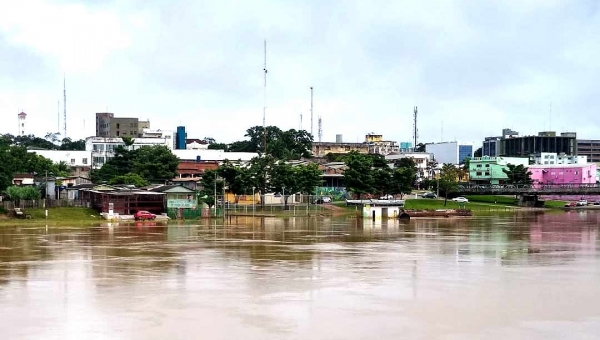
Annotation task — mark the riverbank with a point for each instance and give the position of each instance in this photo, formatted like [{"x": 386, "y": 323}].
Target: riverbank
[{"x": 63, "y": 215}]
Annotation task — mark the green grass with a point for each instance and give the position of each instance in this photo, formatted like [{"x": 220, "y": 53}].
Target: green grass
[
  {"x": 58, "y": 216},
  {"x": 439, "y": 204},
  {"x": 504, "y": 200},
  {"x": 555, "y": 204}
]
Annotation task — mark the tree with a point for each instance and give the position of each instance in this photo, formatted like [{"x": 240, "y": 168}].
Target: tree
[
  {"x": 155, "y": 163},
  {"x": 210, "y": 140},
  {"x": 17, "y": 193},
  {"x": 404, "y": 177},
  {"x": 218, "y": 146},
  {"x": 282, "y": 178},
  {"x": 208, "y": 185},
  {"x": 237, "y": 178},
  {"x": 447, "y": 180},
  {"x": 478, "y": 153},
  {"x": 68, "y": 144},
  {"x": 431, "y": 168},
  {"x": 463, "y": 172},
  {"x": 517, "y": 174},
  {"x": 382, "y": 181},
  {"x": 420, "y": 147},
  {"x": 130, "y": 178},
  {"x": 358, "y": 176},
  {"x": 52, "y": 137},
  {"x": 309, "y": 178},
  {"x": 259, "y": 169}
]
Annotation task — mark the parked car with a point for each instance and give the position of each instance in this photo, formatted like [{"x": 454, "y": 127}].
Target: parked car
[
  {"x": 570, "y": 204},
  {"x": 322, "y": 200},
  {"x": 460, "y": 200},
  {"x": 582, "y": 203},
  {"x": 428, "y": 195},
  {"x": 387, "y": 197},
  {"x": 597, "y": 203},
  {"x": 144, "y": 215}
]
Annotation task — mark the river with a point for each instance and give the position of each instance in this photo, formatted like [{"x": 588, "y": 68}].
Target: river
[{"x": 522, "y": 276}]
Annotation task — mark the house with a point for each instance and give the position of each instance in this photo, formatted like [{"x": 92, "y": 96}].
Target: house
[
  {"x": 421, "y": 159},
  {"x": 180, "y": 202},
  {"x": 490, "y": 170},
  {"x": 563, "y": 173},
  {"x": 195, "y": 144},
  {"x": 189, "y": 173},
  {"x": 23, "y": 179},
  {"x": 123, "y": 200}
]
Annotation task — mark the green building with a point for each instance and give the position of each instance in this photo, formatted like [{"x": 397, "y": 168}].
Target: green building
[{"x": 489, "y": 170}]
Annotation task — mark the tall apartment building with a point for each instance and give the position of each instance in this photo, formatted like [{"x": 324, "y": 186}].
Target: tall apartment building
[
  {"x": 450, "y": 152},
  {"x": 589, "y": 148},
  {"x": 109, "y": 126},
  {"x": 491, "y": 145}
]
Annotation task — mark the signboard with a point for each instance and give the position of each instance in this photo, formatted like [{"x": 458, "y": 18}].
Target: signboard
[
  {"x": 111, "y": 208},
  {"x": 182, "y": 203}
]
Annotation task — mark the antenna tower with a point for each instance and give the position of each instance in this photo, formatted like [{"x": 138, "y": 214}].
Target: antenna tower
[
  {"x": 311, "y": 112},
  {"x": 65, "y": 106},
  {"x": 415, "y": 130},
  {"x": 300, "y": 122},
  {"x": 320, "y": 127},
  {"x": 265, "y": 103}
]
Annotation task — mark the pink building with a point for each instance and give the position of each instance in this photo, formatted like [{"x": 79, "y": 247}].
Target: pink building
[{"x": 563, "y": 173}]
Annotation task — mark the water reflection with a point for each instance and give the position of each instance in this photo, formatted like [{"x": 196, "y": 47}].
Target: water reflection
[{"x": 303, "y": 277}]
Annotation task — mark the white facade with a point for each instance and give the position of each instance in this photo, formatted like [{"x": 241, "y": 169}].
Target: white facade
[
  {"x": 554, "y": 158},
  {"x": 446, "y": 152},
  {"x": 196, "y": 146},
  {"x": 214, "y": 155},
  {"x": 421, "y": 159},
  {"x": 103, "y": 148},
  {"x": 167, "y": 135},
  {"x": 22, "y": 117},
  {"x": 72, "y": 158}
]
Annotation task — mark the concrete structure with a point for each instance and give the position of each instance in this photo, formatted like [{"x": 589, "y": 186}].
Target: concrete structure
[
  {"x": 406, "y": 147},
  {"x": 167, "y": 135},
  {"x": 180, "y": 202},
  {"x": 180, "y": 137},
  {"x": 545, "y": 158},
  {"x": 491, "y": 145},
  {"x": 107, "y": 125},
  {"x": 379, "y": 146},
  {"x": 196, "y": 144},
  {"x": 379, "y": 209},
  {"x": 421, "y": 159},
  {"x": 321, "y": 149},
  {"x": 589, "y": 148},
  {"x": 339, "y": 139},
  {"x": 72, "y": 158},
  {"x": 450, "y": 152},
  {"x": 103, "y": 149},
  {"x": 22, "y": 117},
  {"x": 546, "y": 141},
  {"x": 189, "y": 173},
  {"x": 489, "y": 170},
  {"x": 563, "y": 173},
  {"x": 23, "y": 179},
  {"x": 214, "y": 155}
]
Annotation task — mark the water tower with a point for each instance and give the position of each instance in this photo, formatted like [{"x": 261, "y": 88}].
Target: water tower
[{"x": 22, "y": 117}]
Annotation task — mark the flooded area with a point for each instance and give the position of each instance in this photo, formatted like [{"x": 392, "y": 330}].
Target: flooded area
[{"x": 523, "y": 276}]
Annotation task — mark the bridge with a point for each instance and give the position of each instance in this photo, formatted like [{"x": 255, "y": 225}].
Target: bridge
[{"x": 529, "y": 189}]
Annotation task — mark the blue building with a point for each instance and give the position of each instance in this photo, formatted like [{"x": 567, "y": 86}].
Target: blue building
[{"x": 464, "y": 152}]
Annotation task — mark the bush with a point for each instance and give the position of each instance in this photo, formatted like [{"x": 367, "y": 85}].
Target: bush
[
  {"x": 16, "y": 193},
  {"x": 3, "y": 211}
]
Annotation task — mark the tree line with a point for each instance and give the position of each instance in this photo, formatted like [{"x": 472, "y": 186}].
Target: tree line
[{"x": 51, "y": 141}]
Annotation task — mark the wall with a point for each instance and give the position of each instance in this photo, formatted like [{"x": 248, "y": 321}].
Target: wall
[
  {"x": 323, "y": 148},
  {"x": 589, "y": 148},
  {"x": 444, "y": 152},
  {"x": 490, "y": 169},
  {"x": 368, "y": 210},
  {"x": 563, "y": 174},
  {"x": 72, "y": 158}
]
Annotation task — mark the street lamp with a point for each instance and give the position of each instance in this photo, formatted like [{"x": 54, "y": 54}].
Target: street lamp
[
  {"x": 253, "y": 201},
  {"x": 284, "y": 205}
]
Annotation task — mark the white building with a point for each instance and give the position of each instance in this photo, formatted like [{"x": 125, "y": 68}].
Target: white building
[
  {"x": 554, "y": 158},
  {"x": 450, "y": 152},
  {"x": 214, "y": 155},
  {"x": 195, "y": 144},
  {"x": 421, "y": 159},
  {"x": 72, "y": 158},
  {"x": 103, "y": 148}
]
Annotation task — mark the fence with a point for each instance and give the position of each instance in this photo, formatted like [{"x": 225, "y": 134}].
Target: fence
[{"x": 43, "y": 203}]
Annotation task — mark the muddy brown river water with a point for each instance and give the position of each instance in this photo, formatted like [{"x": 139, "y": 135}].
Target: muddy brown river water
[{"x": 525, "y": 276}]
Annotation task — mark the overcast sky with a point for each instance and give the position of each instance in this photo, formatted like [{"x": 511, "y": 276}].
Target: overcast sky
[{"x": 471, "y": 67}]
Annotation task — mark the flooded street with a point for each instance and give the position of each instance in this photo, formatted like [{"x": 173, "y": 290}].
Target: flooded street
[{"x": 525, "y": 276}]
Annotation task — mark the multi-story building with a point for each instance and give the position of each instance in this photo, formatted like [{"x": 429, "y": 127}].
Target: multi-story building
[
  {"x": 421, "y": 159},
  {"x": 491, "y": 145},
  {"x": 490, "y": 170},
  {"x": 379, "y": 146},
  {"x": 195, "y": 144},
  {"x": 450, "y": 152},
  {"x": 79, "y": 161},
  {"x": 213, "y": 155},
  {"x": 321, "y": 149},
  {"x": 547, "y": 141},
  {"x": 103, "y": 149},
  {"x": 107, "y": 125},
  {"x": 563, "y": 173},
  {"x": 589, "y": 148},
  {"x": 545, "y": 158}
]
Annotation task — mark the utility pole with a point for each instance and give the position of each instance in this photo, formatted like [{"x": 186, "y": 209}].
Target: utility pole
[
  {"x": 311, "y": 112},
  {"x": 415, "y": 131},
  {"x": 65, "y": 106},
  {"x": 265, "y": 103}
]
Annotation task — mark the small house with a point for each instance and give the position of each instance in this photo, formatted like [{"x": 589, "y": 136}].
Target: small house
[
  {"x": 378, "y": 209},
  {"x": 23, "y": 179},
  {"x": 179, "y": 201}
]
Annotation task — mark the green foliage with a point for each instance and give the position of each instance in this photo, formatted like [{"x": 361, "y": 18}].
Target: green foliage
[
  {"x": 17, "y": 193},
  {"x": 218, "y": 146},
  {"x": 420, "y": 147},
  {"x": 403, "y": 181},
  {"x": 208, "y": 185},
  {"x": 382, "y": 178},
  {"x": 283, "y": 145},
  {"x": 50, "y": 142},
  {"x": 68, "y": 144},
  {"x": 130, "y": 178},
  {"x": 517, "y": 174},
  {"x": 358, "y": 177},
  {"x": 447, "y": 180}
]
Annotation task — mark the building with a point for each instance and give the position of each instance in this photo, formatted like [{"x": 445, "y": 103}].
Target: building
[
  {"x": 563, "y": 173},
  {"x": 103, "y": 149},
  {"x": 406, "y": 147},
  {"x": 180, "y": 137},
  {"x": 82, "y": 159},
  {"x": 421, "y": 159},
  {"x": 379, "y": 146},
  {"x": 450, "y": 152},
  {"x": 22, "y": 116},
  {"x": 107, "y": 125},
  {"x": 22, "y": 179},
  {"x": 196, "y": 144},
  {"x": 189, "y": 173},
  {"x": 490, "y": 170},
  {"x": 554, "y": 158},
  {"x": 546, "y": 141},
  {"x": 491, "y": 145},
  {"x": 321, "y": 149},
  {"x": 181, "y": 202},
  {"x": 213, "y": 155},
  {"x": 589, "y": 148},
  {"x": 122, "y": 200}
]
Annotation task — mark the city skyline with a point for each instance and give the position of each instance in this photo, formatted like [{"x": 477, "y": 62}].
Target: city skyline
[{"x": 471, "y": 70}]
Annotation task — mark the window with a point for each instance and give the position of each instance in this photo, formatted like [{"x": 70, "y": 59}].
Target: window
[
  {"x": 478, "y": 173},
  {"x": 118, "y": 125},
  {"x": 487, "y": 165},
  {"x": 118, "y": 134},
  {"x": 479, "y": 165},
  {"x": 545, "y": 162},
  {"x": 84, "y": 161},
  {"x": 72, "y": 160},
  {"x": 487, "y": 173}
]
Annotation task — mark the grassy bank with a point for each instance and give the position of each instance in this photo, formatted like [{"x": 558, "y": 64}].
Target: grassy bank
[
  {"x": 439, "y": 204},
  {"x": 508, "y": 200},
  {"x": 65, "y": 215}
]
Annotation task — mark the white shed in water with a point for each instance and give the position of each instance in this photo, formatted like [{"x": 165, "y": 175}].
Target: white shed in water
[{"x": 379, "y": 209}]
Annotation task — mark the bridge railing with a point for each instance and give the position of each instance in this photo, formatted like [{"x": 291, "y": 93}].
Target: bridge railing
[{"x": 529, "y": 188}]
